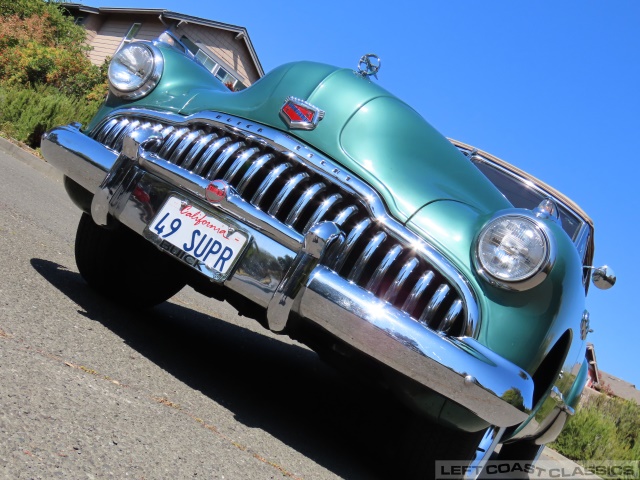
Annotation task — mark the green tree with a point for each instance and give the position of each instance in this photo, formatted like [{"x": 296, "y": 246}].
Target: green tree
[{"x": 43, "y": 53}]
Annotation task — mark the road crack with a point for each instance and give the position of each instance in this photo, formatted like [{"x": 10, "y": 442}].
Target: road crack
[{"x": 212, "y": 428}]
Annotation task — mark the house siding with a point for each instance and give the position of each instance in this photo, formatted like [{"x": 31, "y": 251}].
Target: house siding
[
  {"x": 105, "y": 34},
  {"x": 233, "y": 54},
  {"x": 108, "y": 38}
]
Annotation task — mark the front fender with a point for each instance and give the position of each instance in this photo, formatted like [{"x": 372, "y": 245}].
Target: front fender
[{"x": 524, "y": 326}]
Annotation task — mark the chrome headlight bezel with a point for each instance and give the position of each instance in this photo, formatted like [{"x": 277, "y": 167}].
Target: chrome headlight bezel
[
  {"x": 148, "y": 80},
  {"x": 537, "y": 275}
]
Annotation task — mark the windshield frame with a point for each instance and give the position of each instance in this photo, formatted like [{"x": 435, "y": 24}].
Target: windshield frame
[{"x": 583, "y": 237}]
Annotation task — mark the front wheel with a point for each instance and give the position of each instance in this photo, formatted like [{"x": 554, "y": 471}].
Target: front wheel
[
  {"x": 427, "y": 447},
  {"x": 124, "y": 267}
]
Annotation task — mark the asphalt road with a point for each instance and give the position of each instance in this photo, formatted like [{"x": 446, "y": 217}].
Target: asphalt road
[{"x": 186, "y": 390}]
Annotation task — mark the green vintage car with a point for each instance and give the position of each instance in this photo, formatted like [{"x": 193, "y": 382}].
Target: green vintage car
[{"x": 322, "y": 206}]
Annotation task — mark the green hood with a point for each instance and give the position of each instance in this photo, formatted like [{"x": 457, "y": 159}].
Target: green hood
[{"x": 368, "y": 131}]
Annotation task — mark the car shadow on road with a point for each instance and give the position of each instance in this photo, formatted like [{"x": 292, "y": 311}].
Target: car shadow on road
[{"x": 344, "y": 426}]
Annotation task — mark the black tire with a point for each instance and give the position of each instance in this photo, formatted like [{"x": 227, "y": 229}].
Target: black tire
[
  {"x": 524, "y": 453},
  {"x": 426, "y": 443},
  {"x": 519, "y": 451},
  {"x": 125, "y": 267}
]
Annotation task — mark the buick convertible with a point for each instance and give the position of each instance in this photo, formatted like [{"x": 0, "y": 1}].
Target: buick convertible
[{"x": 325, "y": 208}]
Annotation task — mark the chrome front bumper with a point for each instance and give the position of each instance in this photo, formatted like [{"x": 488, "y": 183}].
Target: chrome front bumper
[{"x": 460, "y": 369}]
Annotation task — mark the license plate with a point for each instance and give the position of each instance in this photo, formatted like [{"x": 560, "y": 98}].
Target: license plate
[{"x": 198, "y": 238}]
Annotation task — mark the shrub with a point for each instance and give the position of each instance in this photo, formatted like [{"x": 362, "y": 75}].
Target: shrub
[
  {"x": 41, "y": 46},
  {"x": 603, "y": 428},
  {"x": 46, "y": 78},
  {"x": 26, "y": 113}
]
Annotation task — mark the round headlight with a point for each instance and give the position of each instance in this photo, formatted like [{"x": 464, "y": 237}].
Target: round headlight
[
  {"x": 513, "y": 252},
  {"x": 135, "y": 70}
]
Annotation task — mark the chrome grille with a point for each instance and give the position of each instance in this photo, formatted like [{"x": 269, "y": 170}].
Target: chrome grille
[{"x": 279, "y": 182}]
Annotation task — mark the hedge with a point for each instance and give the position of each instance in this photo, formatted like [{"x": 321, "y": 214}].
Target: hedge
[
  {"x": 26, "y": 113},
  {"x": 603, "y": 428},
  {"x": 46, "y": 78}
]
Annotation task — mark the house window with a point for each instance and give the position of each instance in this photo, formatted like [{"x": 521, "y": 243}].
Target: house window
[{"x": 213, "y": 66}]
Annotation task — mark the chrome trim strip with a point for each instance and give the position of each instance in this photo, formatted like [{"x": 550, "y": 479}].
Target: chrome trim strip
[
  {"x": 327, "y": 168},
  {"x": 104, "y": 133},
  {"x": 203, "y": 164},
  {"x": 115, "y": 132},
  {"x": 345, "y": 214},
  {"x": 183, "y": 146},
  {"x": 199, "y": 146},
  {"x": 119, "y": 138},
  {"x": 174, "y": 137},
  {"x": 461, "y": 369}
]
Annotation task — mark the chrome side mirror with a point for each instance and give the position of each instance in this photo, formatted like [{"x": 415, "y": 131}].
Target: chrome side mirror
[{"x": 603, "y": 277}]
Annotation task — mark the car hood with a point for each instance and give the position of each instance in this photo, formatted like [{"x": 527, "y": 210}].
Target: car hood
[{"x": 367, "y": 130}]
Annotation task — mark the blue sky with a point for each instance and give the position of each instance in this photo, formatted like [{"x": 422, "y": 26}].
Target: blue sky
[{"x": 552, "y": 87}]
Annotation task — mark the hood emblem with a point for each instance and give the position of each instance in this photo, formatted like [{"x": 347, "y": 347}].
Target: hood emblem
[
  {"x": 369, "y": 65},
  {"x": 300, "y": 114}
]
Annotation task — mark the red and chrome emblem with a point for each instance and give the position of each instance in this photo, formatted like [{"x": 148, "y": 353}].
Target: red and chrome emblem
[
  {"x": 300, "y": 114},
  {"x": 216, "y": 191}
]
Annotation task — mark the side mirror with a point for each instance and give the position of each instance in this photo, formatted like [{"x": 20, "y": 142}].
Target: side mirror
[{"x": 603, "y": 277}]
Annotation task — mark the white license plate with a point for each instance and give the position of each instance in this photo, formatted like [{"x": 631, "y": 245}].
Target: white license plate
[{"x": 203, "y": 238}]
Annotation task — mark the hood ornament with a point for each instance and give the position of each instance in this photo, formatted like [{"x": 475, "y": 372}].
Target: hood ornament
[
  {"x": 300, "y": 114},
  {"x": 369, "y": 65}
]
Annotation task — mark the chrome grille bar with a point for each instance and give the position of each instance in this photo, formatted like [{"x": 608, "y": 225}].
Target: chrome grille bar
[
  {"x": 221, "y": 160},
  {"x": 398, "y": 283},
  {"x": 322, "y": 210},
  {"x": 419, "y": 288},
  {"x": 286, "y": 192},
  {"x": 304, "y": 200},
  {"x": 381, "y": 272},
  {"x": 252, "y": 172},
  {"x": 349, "y": 243},
  {"x": 194, "y": 153},
  {"x": 264, "y": 187},
  {"x": 239, "y": 163},
  {"x": 434, "y": 304},
  {"x": 301, "y": 193}
]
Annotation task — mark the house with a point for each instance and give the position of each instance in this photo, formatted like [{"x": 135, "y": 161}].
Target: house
[
  {"x": 599, "y": 381},
  {"x": 226, "y": 50}
]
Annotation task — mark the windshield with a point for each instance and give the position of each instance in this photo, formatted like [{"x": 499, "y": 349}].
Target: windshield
[{"x": 523, "y": 193}]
